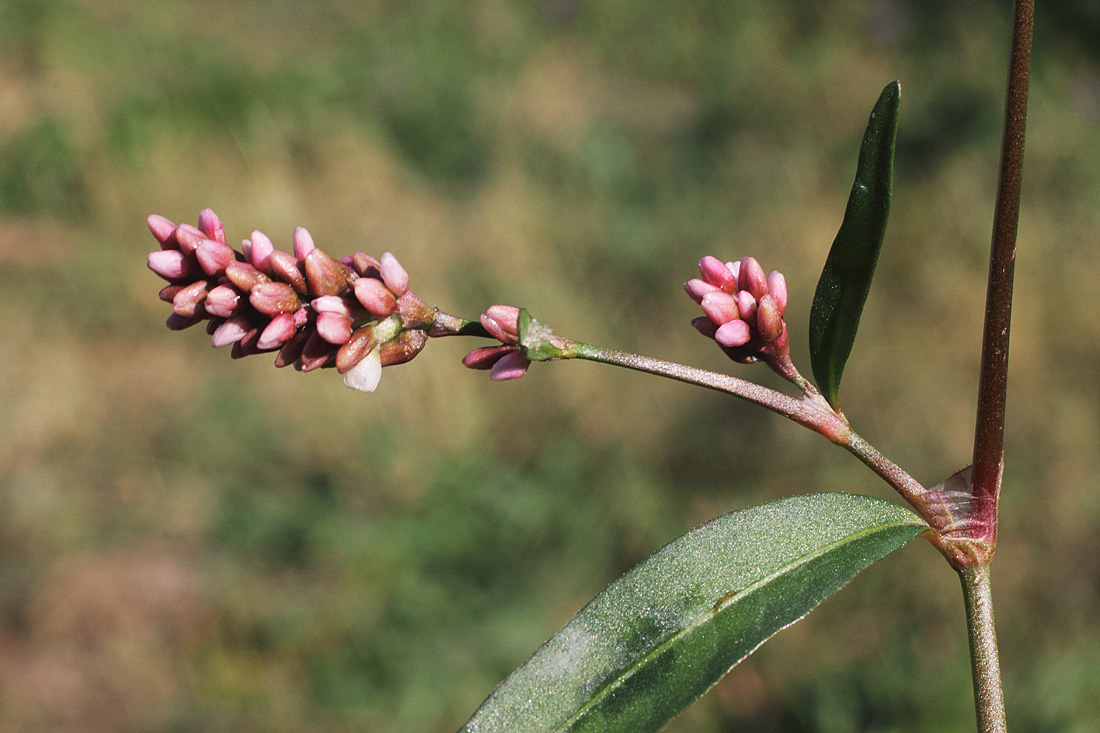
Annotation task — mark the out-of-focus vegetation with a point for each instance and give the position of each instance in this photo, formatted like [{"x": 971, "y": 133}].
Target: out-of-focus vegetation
[{"x": 190, "y": 543}]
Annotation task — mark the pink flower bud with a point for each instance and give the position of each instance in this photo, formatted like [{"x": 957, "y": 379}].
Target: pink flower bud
[
  {"x": 222, "y": 301},
  {"x": 247, "y": 345},
  {"x": 394, "y": 275},
  {"x": 751, "y": 277},
  {"x": 188, "y": 301},
  {"x": 211, "y": 225},
  {"x": 715, "y": 273},
  {"x": 510, "y": 366},
  {"x": 334, "y": 328},
  {"x": 777, "y": 287},
  {"x": 502, "y": 322},
  {"x": 292, "y": 349},
  {"x": 164, "y": 231},
  {"x": 734, "y": 333},
  {"x": 171, "y": 264},
  {"x": 704, "y": 326},
  {"x": 696, "y": 289},
  {"x": 276, "y": 333},
  {"x": 213, "y": 257},
  {"x": 769, "y": 321},
  {"x": 330, "y": 304},
  {"x": 287, "y": 268},
  {"x": 746, "y": 306},
  {"x": 232, "y": 331},
  {"x": 486, "y": 356},
  {"x": 316, "y": 353},
  {"x": 375, "y": 297},
  {"x": 176, "y": 322},
  {"x": 259, "y": 251},
  {"x": 243, "y": 276},
  {"x": 189, "y": 237},
  {"x": 366, "y": 266},
  {"x": 168, "y": 292},
  {"x": 272, "y": 298},
  {"x": 357, "y": 347},
  {"x": 403, "y": 348},
  {"x": 303, "y": 243},
  {"x": 325, "y": 275},
  {"x": 720, "y": 307}
]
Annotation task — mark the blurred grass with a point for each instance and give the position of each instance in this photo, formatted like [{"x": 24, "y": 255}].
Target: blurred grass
[{"x": 190, "y": 543}]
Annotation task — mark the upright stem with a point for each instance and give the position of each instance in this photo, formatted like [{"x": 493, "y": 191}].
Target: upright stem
[
  {"x": 993, "y": 385},
  {"x": 985, "y": 667}
]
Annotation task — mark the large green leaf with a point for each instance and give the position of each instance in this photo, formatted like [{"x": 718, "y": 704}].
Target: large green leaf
[
  {"x": 846, "y": 279},
  {"x": 656, "y": 639}
]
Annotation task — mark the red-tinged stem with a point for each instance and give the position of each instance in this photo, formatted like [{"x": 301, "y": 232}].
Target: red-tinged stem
[{"x": 993, "y": 384}]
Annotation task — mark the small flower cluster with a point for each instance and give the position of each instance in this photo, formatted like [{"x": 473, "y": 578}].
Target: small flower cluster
[
  {"x": 505, "y": 361},
  {"x": 744, "y": 309},
  {"x": 356, "y": 314}
]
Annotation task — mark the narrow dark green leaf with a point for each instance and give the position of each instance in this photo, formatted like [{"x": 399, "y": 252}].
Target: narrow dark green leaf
[
  {"x": 846, "y": 279},
  {"x": 656, "y": 639}
]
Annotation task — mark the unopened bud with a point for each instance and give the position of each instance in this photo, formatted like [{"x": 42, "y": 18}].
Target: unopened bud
[
  {"x": 164, "y": 231},
  {"x": 189, "y": 237},
  {"x": 357, "y": 347},
  {"x": 288, "y": 268},
  {"x": 272, "y": 298},
  {"x": 777, "y": 287},
  {"x": 213, "y": 256},
  {"x": 211, "y": 225},
  {"x": 402, "y": 349},
  {"x": 366, "y": 266},
  {"x": 375, "y": 297},
  {"x": 696, "y": 289},
  {"x": 769, "y": 320},
  {"x": 292, "y": 349},
  {"x": 746, "y": 306},
  {"x": 222, "y": 301},
  {"x": 231, "y": 331},
  {"x": 394, "y": 275},
  {"x": 277, "y": 332},
  {"x": 325, "y": 275},
  {"x": 188, "y": 300},
  {"x": 720, "y": 307},
  {"x": 303, "y": 243},
  {"x": 502, "y": 322},
  {"x": 316, "y": 353},
  {"x": 734, "y": 333},
  {"x": 751, "y": 277},
  {"x": 259, "y": 251},
  {"x": 171, "y": 264},
  {"x": 334, "y": 328},
  {"x": 243, "y": 276},
  {"x": 715, "y": 272}
]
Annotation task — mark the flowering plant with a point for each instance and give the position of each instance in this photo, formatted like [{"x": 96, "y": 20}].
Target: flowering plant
[{"x": 659, "y": 637}]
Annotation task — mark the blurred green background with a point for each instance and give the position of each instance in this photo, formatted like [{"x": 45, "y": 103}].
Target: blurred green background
[{"x": 191, "y": 543}]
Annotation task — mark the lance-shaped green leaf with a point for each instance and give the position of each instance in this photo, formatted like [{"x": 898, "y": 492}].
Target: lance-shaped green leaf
[
  {"x": 846, "y": 279},
  {"x": 656, "y": 639}
]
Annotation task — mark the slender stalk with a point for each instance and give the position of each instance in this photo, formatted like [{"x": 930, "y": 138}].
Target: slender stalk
[
  {"x": 993, "y": 384},
  {"x": 982, "y": 633}
]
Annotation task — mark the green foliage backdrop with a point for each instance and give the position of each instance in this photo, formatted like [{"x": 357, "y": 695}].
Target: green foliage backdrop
[{"x": 190, "y": 543}]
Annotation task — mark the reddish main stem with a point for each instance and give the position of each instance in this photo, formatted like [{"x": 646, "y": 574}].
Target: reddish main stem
[{"x": 993, "y": 385}]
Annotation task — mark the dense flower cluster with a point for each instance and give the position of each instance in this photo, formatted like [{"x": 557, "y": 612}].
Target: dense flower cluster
[
  {"x": 505, "y": 361},
  {"x": 743, "y": 307},
  {"x": 356, "y": 314}
]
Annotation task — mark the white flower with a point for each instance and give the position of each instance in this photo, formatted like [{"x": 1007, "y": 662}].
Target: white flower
[{"x": 364, "y": 376}]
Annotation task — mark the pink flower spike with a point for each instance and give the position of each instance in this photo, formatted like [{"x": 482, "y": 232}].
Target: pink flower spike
[
  {"x": 375, "y": 297},
  {"x": 751, "y": 277},
  {"x": 213, "y": 256},
  {"x": 734, "y": 333},
  {"x": 330, "y": 304},
  {"x": 502, "y": 321},
  {"x": 259, "y": 251},
  {"x": 720, "y": 307},
  {"x": 164, "y": 231},
  {"x": 334, "y": 328},
  {"x": 171, "y": 264},
  {"x": 715, "y": 272},
  {"x": 696, "y": 289},
  {"x": 232, "y": 331},
  {"x": 277, "y": 333},
  {"x": 303, "y": 243},
  {"x": 394, "y": 275},
  {"x": 511, "y": 366},
  {"x": 777, "y": 286},
  {"x": 365, "y": 375},
  {"x": 211, "y": 225},
  {"x": 222, "y": 301}
]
